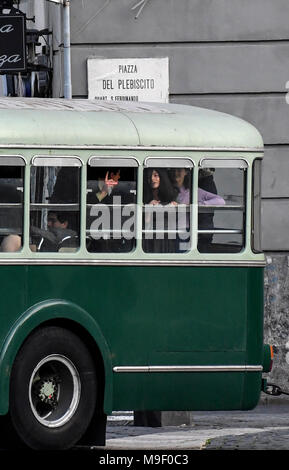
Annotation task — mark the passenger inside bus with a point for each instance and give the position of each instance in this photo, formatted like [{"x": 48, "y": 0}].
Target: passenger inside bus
[
  {"x": 160, "y": 198},
  {"x": 11, "y": 243},
  {"x": 181, "y": 179},
  {"x": 172, "y": 187},
  {"x": 209, "y": 199},
  {"x": 59, "y": 235},
  {"x": 66, "y": 190},
  {"x": 158, "y": 188},
  {"x": 207, "y": 195},
  {"x": 115, "y": 189},
  {"x": 105, "y": 185}
]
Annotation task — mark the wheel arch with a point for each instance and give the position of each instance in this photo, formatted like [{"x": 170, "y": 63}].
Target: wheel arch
[{"x": 66, "y": 314}]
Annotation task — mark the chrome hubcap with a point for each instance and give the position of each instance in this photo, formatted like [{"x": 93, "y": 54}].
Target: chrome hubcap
[{"x": 54, "y": 390}]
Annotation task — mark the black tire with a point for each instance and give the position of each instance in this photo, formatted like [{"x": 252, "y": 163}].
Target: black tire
[{"x": 52, "y": 390}]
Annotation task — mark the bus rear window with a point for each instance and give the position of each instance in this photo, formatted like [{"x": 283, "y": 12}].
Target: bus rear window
[{"x": 221, "y": 206}]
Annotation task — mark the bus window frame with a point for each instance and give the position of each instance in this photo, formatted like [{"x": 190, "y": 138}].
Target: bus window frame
[
  {"x": 141, "y": 156},
  {"x": 256, "y": 225},
  {"x": 112, "y": 161},
  {"x": 55, "y": 161},
  {"x": 230, "y": 163},
  {"x": 15, "y": 160},
  {"x": 169, "y": 162}
]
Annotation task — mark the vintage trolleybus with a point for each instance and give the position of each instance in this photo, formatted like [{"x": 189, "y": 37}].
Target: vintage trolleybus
[{"x": 131, "y": 270}]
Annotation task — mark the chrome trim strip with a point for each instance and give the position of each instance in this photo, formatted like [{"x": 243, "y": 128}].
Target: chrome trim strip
[
  {"x": 135, "y": 147},
  {"x": 122, "y": 262},
  {"x": 256, "y": 368}
]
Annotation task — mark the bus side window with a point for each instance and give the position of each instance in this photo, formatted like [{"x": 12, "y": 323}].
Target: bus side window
[
  {"x": 54, "y": 208},
  {"x": 221, "y": 206},
  {"x": 11, "y": 207},
  {"x": 111, "y": 208},
  {"x": 166, "y": 210}
]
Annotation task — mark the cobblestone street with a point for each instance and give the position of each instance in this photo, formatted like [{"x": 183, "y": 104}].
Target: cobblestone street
[{"x": 264, "y": 428}]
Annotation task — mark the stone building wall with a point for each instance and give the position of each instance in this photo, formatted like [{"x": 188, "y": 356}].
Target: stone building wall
[{"x": 276, "y": 315}]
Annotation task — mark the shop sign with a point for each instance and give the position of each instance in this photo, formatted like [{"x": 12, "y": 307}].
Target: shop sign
[{"x": 12, "y": 43}]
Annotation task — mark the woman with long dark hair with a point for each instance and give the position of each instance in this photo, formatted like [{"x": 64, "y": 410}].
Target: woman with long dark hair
[
  {"x": 158, "y": 188},
  {"x": 157, "y": 191}
]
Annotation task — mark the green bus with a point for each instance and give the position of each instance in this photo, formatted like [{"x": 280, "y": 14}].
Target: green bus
[{"x": 131, "y": 268}]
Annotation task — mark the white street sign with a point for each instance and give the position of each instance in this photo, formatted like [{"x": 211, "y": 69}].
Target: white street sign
[{"x": 128, "y": 79}]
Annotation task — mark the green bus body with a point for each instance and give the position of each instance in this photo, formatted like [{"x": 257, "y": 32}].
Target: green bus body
[
  {"x": 169, "y": 331},
  {"x": 142, "y": 326}
]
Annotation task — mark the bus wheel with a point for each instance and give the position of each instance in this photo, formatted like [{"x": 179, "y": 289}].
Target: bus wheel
[{"x": 53, "y": 389}]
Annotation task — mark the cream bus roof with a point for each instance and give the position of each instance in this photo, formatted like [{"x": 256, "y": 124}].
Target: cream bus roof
[{"x": 38, "y": 121}]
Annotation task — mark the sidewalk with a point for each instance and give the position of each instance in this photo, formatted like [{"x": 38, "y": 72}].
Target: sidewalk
[{"x": 264, "y": 428}]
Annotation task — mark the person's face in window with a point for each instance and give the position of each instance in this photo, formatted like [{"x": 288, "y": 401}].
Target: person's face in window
[
  {"x": 155, "y": 180},
  {"x": 115, "y": 176},
  {"x": 180, "y": 176},
  {"x": 53, "y": 222}
]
